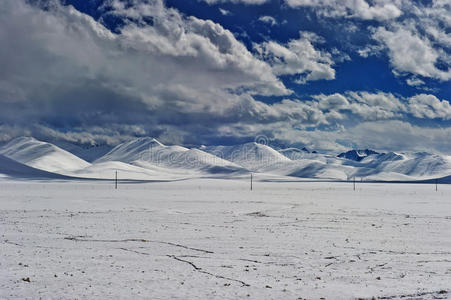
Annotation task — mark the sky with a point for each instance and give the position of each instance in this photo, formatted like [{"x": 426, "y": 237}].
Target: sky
[{"x": 329, "y": 75}]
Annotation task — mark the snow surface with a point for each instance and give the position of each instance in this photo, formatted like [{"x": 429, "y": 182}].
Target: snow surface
[{"x": 216, "y": 239}]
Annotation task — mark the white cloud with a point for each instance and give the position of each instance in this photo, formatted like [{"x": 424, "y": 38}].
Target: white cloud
[
  {"x": 252, "y": 2},
  {"x": 332, "y": 102},
  {"x": 368, "y": 106},
  {"x": 376, "y": 106},
  {"x": 380, "y": 10},
  {"x": 61, "y": 48},
  {"x": 202, "y": 44},
  {"x": 187, "y": 80},
  {"x": 414, "y": 81},
  {"x": 387, "y": 135},
  {"x": 268, "y": 19},
  {"x": 181, "y": 73},
  {"x": 395, "y": 135},
  {"x": 411, "y": 52},
  {"x": 429, "y": 107},
  {"x": 384, "y": 135},
  {"x": 298, "y": 56},
  {"x": 383, "y": 106}
]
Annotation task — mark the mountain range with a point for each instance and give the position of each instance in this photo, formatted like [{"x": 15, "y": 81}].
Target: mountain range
[{"x": 148, "y": 159}]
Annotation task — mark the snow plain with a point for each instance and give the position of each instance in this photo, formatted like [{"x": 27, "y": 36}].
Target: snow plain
[{"x": 216, "y": 239}]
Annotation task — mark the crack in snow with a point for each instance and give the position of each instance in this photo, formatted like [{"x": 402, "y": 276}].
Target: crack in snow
[
  {"x": 76, "y": 239},
  {"x": 442, "y": 294},
  {"x": 199, "y": 269}
]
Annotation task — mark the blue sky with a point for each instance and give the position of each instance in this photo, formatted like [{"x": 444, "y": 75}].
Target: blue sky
[{"x": 325, "y": 74}]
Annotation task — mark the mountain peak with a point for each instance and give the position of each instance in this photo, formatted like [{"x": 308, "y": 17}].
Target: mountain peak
[
  {"x": 147, "y": 141},
  {"x": 23, "y": 139},
  {"x": 357, "y": 155}
]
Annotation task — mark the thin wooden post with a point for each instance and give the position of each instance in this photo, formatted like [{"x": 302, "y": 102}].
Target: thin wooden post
[
  {"x": 115, "y": 181},
  {"x": 436, "y": 185},
  {"x": 354, "y": 183},
  {"x": 251, "y": 181}
]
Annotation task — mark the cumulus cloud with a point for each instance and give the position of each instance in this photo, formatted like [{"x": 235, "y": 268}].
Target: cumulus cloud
[
  {"x": 298, "y": 57},
  {"x": 383, "y": 106},
  {"x": 332, "y": 102},
  {"x": 411, "y": 52},
  {"x": 376, "y": 106},
  {"x": 63, "y": 69},
  {"x": 429, "y": 107},
  {"x": 419, "y": 42},
  {"x": 388, "y": 135},
  {"x": 382, "y": 135},
  {"x": 380, "y": 10},
  {"x": 397, "y": 135},
  {"x": 368, "y": 106},
  {"x": 204, "y": 47}
]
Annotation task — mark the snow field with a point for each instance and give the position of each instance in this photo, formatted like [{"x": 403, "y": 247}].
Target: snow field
[{"x": 215, "y": 239}]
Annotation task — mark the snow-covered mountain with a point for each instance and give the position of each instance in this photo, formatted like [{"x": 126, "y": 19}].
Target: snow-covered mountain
[
  {"x": 137, "y": 149},
  {"x": 252, "y": 156},
  {"x": 151, "y": 154},
  {"x": 264, "y": 159},
  {"x": 310, "y": 168},
  {"x": 42, "y": 155},
  {"x": 294, "y": 153},
  {"x": 357, "y": 155},
  {"x": 12, "y": 168},
  {"x": 148, "y": 159},
  {"x": 108, "y": 169},
  {"x": 420, "y": 165}
]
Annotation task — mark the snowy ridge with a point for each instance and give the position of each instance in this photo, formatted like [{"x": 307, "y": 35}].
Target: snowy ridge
[
  {"x": 252, "y": 156},
  {"x": 294, "y": 153},
  {"x": 150, "y": 154},
  {"x": 42, "y": 155},
  {"x": 313, "y": 166},
  {"x": 148, "y": 159},
  {"x": 420, "y": 165},
  {"x": 137, "y": 149}
]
